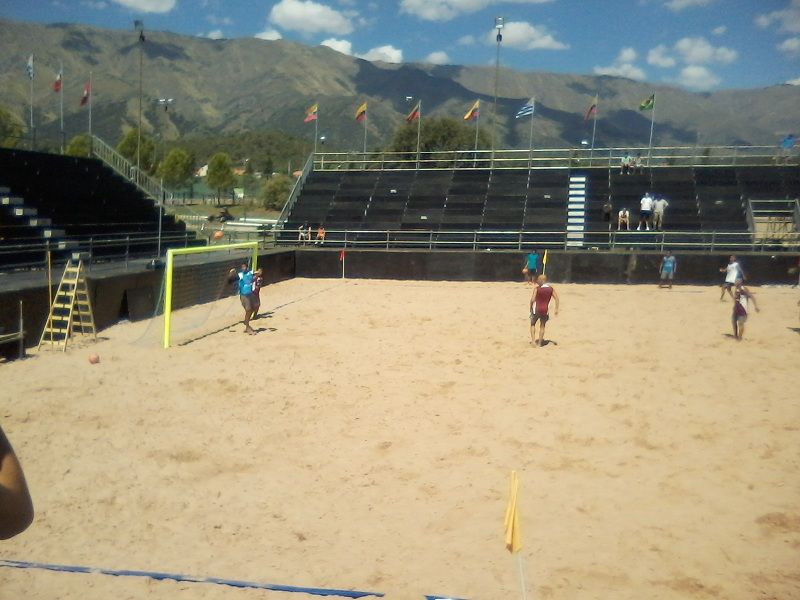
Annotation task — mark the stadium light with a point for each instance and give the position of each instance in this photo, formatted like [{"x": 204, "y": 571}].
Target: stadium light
[
  {"x": 138, "y": 26},
  {"x": 499, "y": 23}
]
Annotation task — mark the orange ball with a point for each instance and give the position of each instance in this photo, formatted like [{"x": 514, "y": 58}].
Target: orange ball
[
  {"x": 94, "y": 358},
  {"x": 218, "y": 235}
]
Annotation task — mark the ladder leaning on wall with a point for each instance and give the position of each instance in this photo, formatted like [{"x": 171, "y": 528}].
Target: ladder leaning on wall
[{"x": 71, "y": 311}]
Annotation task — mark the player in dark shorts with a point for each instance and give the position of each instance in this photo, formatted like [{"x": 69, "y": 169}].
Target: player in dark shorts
[{"x": 540, "y": 304}]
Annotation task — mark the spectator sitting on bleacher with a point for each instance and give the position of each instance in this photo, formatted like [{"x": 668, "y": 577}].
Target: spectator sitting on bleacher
[
  {"x": 626, "y": 164},
  {"x": 320, "y": 235},
  {"x": 624, "y": 219},
  {"x": 659, "y": 206},
  {"x": 638, "y": 164}
]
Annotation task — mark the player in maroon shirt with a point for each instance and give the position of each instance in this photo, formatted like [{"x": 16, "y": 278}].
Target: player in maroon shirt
[{"x": 540, "y": 304}]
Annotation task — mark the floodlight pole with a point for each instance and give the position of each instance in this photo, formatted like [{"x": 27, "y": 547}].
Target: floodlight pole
[
  {"x": 498, "y": 25},
  {"x": 139, "y": 26}
]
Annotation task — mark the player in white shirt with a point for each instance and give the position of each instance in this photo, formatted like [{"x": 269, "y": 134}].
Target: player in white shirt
[
  {"x": 646, "y": 211},
  {"x": 733, "y": 271}
]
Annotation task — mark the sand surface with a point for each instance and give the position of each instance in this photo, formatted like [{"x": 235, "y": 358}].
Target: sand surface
[{"x": 364, "y": 440}]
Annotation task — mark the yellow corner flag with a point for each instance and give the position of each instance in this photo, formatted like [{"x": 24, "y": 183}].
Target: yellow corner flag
[
  {"x": 544, "y": 262},
  {"x": 513, "y": 531}
]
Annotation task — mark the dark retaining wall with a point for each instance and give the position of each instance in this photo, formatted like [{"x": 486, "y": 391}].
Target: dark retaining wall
[{"x": 573, "y": 267}]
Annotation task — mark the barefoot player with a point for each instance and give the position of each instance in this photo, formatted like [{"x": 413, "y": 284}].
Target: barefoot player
[
  {"x": 741, "y": 296},
  {"x": 540, "y": 304}
]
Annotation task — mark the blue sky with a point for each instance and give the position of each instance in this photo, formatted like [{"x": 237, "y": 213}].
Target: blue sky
[{"x": 701, "y": 45}]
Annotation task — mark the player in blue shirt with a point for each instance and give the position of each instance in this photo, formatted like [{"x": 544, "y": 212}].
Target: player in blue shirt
[
  {"x": 668, "y": 268},
  {"x": 531, "y": 269},
  {"x": 246, "y": 279}
]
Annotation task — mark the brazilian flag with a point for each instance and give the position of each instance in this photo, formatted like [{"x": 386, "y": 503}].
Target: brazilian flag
[{"x": 648, "y": 103}]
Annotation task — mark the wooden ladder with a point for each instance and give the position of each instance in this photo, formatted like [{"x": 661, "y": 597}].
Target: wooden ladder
[{"x": 71, "y": 311}]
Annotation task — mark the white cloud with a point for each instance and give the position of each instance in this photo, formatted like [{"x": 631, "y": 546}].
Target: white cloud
[
  {"x": 697, "y": 77},
  {"x": 387, "y": 53},
  {"x": 99, "y": 5},
  {"x": 660, "y": 57},
  {"x": 308, "y": 16},
  {"x": 148, "y": 6},
  {"x": 466, "y": 40},
  {"x": 721, "y": 30},
  {"x": 525, "y": 36},
  {"x": 216, "y": 34},
  {"x": 698, "y": 51},
  {"x": 679, "y": 5},
  {"x": 437, "y": 58},
  {"x": 341, "y": 46},
  {"x": 794, "y": 81},
  {"x": 788, "y": 20},
  {"x": 445, "y": 10},
  {"x": 269, "y": 34},
  {"x": 790, "y": 46},
  {"x": 623, "y": 66}
]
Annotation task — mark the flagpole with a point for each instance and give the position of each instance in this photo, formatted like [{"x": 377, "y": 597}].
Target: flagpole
[
  {"x": 419, "y": 129},
  {"x": 365, "y": 139},
  {"x": 475, "y": 153},
  {"x": 522, "y": 577},
  {"x": 91, "y": 93},
  {"x": 652, "y": 122},
  {"x": 316, "y": 134},
  {"x": 594, "y": 130},
  {"x": 33, "y": 133},
  {"x": 61, "y": 102},
  {"x": 530, "y": 139}
]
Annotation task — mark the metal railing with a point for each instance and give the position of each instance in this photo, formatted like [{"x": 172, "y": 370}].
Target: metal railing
[
  {"x": 21, "y": 254},
  {"x": 553, "y": 158},
  {"x": 295, "y": 193},
  {"x": 708, "y": 241},
  {"x": 129, "y": 171}
]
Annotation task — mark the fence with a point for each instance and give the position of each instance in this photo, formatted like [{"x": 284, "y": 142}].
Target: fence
[
  {"x": 554, "y": 158},
  {"x": 711, "y": 241}
]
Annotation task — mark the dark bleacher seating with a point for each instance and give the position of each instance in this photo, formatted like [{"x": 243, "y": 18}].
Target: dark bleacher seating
[
  {"x": 676, "y": 184},
  {"x": 719, "y": 199},
  {"x": 82, "y": 197}
]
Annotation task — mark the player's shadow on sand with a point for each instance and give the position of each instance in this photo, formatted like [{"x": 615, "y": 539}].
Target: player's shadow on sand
[
  {"x": 795, "y": 329},
  {"x": 548, "y": 342}
]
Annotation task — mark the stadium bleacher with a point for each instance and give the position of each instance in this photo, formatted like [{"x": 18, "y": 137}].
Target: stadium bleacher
[{"x": 66, "y": 199}]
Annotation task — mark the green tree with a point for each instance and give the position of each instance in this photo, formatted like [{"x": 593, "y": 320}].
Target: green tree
[
  {"x": 220, "y": 173},
  {"x": 147, "y": 150},
  {"x": 80, "y": 145},
  {"x": 177, "y": 168},
  {"x": 10, "y": 129},
  {"x": 437, "y": 134},
  {"x": 276, "y": 191}
]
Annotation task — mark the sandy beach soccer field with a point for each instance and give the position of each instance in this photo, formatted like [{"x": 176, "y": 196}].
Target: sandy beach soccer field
[{"x": 363, "y": 439}]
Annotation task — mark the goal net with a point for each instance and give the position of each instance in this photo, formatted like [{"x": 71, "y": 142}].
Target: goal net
[{"x": 195, "y": 280}]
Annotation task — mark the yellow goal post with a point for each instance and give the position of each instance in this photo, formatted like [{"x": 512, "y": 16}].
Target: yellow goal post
[{"x": 169, "y": 272}]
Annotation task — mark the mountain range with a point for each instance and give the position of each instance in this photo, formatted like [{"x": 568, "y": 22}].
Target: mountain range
[{"x": 231, "y": 86}]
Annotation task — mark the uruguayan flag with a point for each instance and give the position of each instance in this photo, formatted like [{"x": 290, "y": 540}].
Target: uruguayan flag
[{"x": 527, "y": 109}]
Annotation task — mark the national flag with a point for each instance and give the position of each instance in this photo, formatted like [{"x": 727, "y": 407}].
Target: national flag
[
  {"x": 361, "y": 113},
  {"x": 57, "y": 82},
  {"x": 29, "y": 67},
  {"x": 414, "y": 114},
  {"x": 513, "y": 533},
  {"x": 527, "y": 109},
  {"x": 341, "y": 255},
  {"x": 648, "y": 103},
  {"x": 592, "y": 111},
  {"x": 474, "y": 112},
  {"x": 311, "y": 113},
  {"x": 87, "y": 92}
]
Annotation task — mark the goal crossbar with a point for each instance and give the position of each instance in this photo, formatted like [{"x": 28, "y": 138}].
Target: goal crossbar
[{"x": 172, "y": 253}]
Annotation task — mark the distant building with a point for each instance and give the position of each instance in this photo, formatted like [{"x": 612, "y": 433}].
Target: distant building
[{"x": 202, "y": 171}]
